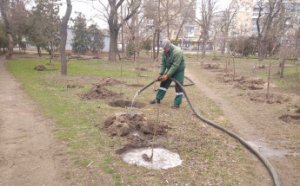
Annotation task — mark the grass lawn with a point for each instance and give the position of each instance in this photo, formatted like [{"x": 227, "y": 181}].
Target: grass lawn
[{"x": 209, "y": 157}]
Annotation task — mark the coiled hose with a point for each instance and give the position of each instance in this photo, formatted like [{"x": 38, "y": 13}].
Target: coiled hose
[{"x": 265, "y": 162}]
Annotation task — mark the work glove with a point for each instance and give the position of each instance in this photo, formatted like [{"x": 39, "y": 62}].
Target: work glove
[
  {"x": 164, "y": 77},
  {"x": 159, "y": 77}
]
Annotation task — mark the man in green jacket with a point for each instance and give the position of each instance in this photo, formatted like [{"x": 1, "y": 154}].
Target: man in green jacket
[{"x": 172, "y": 66}]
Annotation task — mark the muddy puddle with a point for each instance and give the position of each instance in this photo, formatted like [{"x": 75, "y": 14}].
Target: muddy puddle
[{"x": 267, "y": 151}]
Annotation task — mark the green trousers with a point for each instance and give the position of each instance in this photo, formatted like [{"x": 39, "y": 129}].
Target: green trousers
[{"x": 179, "y": 76}]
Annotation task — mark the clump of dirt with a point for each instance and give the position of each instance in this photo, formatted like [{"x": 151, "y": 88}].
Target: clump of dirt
[
  {"x": 262, "y": 98},
  {"x": 99, "y": 92},
  {"x": 134, "y": 126},
  {"x": 211, "y": 66},
  {"x": 40, "y": 68},
  {"x": 141, "y": 69},
  {"x": 109, "y": 82},
  {"x": 126, "y": 103}
]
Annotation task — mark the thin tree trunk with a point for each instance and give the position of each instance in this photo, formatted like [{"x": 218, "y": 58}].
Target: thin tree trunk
[
  {"x": 157, "y": 44},
  {"x": 204, "y": 47},
  {"x": 10, "y": 46},
  {"x": 282, "y": 64},
  {"x": 158, "y": 30},
  {"x": 122, "y": 32},
  {"x": 4, "y": 8},
  {"x": 63, "y": 35},
  {"x": 269, "y": 78},
  {"x": 51, "y": 52},
  {"x": 113, "y": 46},
  {"x": 38, "y": 48},
  {"x": 153, "y": 46}
]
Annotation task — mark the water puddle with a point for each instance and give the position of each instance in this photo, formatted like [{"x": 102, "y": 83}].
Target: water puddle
[
  {"x": 268, "y": 151},
  {"x": 162, "y": 158}
]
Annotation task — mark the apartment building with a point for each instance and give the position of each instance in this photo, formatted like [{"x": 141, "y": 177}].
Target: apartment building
[{"x": 248, "y": 12}]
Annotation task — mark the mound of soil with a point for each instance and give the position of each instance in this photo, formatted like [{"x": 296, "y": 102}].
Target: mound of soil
[
  {"x": 262, "y": 98},
  {"x": 40, "y": 68},
  {"x": 211, "y": 66},
  {"x": 126, "y": 103},
  {"x": 133, "y": 126},
  {"x": 242, "y": 82},
  {"x": 250, "y": 83},
  {"x": 108, "y": 82},
  {"x": 229, "y": 77},
  {"x": 288, "y": 118},
  {"x": 99, "y": 92}
]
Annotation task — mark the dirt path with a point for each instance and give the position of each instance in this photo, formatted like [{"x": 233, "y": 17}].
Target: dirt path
[
  {"x": 29, "y": 155},
  {"x": 245, "y": 128}
]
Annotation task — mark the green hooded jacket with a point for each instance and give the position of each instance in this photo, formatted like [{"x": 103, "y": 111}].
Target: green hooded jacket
[{"x": 172, "y": 61}]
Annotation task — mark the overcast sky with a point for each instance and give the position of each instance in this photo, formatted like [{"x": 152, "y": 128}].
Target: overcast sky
[{"x": 86, "y": 8}]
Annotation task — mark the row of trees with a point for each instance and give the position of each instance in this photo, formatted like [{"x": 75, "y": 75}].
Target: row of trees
[
  {"x": 38, "y": 27},
  {"x": 142, "y": 21}
]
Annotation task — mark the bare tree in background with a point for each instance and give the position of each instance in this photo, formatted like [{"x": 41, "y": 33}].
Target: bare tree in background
[
  {"x": 6, "y": 14},
  {"x": 133, "y": 35},
  {"x": 226, "y": 23},
  {"x": 112, "y": 14},
  {"x": 216, "y": 30},
  {"x": 207, "y": 9},
  {"x": 187, "y": 13},
  {"x": 170, "y": 12},
  {"x": 268, "y": 11},
  {"x": 63, "y": 37}
]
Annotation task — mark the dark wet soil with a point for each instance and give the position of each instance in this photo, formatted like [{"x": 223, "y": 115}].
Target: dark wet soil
[{"x": 126, "y": 103}]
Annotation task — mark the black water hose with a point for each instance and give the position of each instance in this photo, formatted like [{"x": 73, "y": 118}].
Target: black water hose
[
  {"x": 265, "y": 162},
  {"x": 191, "y": 82}
]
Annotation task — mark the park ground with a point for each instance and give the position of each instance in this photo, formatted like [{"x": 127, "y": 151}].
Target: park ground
[{"x": 77, "y": 149}]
